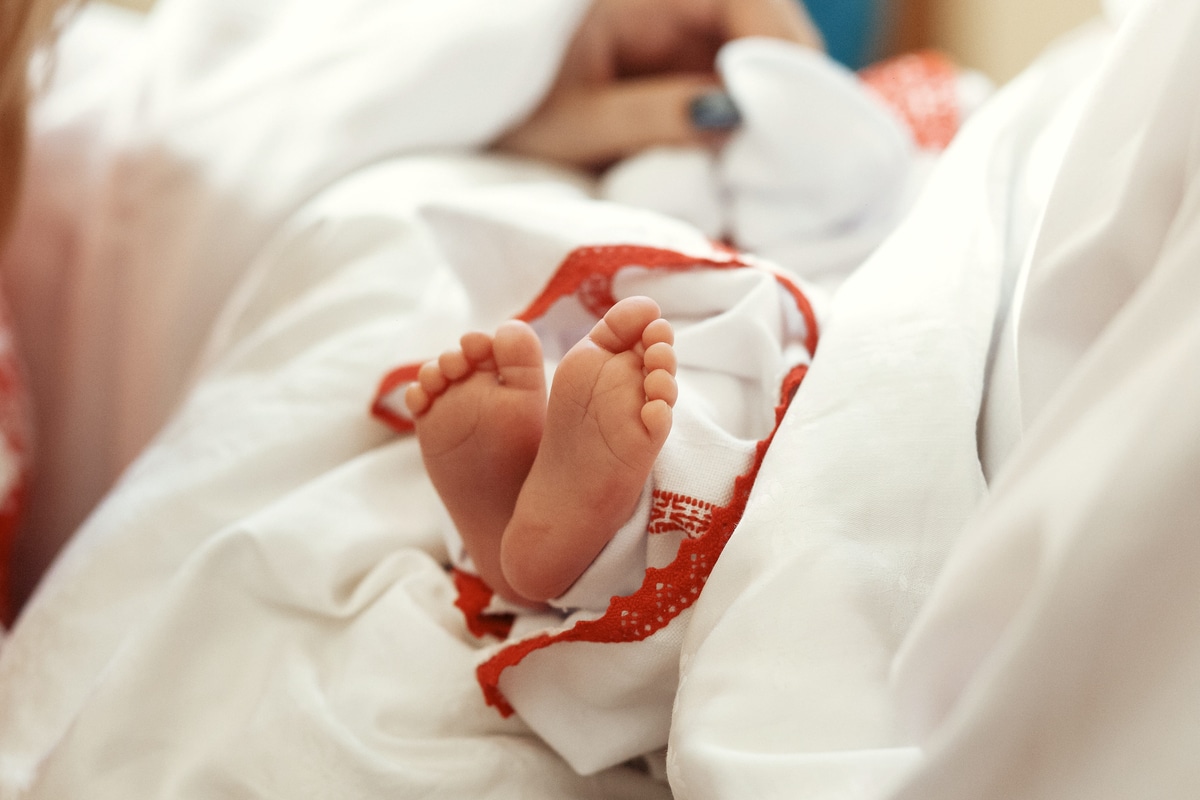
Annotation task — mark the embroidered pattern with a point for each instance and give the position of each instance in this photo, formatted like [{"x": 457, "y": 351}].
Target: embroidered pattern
[
  {"x": 922, "y": 88},
  {"x": 593, "y": 268},
  {"x": 666, "y": 592},
  {"x": 670, "y": 512}
]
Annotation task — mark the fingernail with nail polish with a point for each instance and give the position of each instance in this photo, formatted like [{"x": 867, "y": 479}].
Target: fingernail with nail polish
[{"x": 714, "y": 111}]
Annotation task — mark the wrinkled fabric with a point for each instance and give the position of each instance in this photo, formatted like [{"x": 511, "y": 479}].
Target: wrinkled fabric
[{"x": 965, "y": 569}]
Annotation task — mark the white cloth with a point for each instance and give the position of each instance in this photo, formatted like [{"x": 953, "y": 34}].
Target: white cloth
[
  {"x": 222, "y": 120},
  {"x": 1057, "y": 656},
  {"x": 597, "y": 682},
  {"x": 1065, "y": 624},
  {"x": 261, "y": 608},
  {"x": 171, "y": 150},
  {"x": 817, "y": 175}
]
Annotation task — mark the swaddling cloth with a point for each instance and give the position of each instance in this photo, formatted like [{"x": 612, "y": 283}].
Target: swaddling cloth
[{"x": 597, "y": 678}]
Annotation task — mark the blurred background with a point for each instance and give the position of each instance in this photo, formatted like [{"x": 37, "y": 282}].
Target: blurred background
[{"x": 997, "y": 37}]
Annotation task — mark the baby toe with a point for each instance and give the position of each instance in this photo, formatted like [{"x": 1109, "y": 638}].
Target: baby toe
[
  {"x": 625, "y": 323},
  {"x": 660, "y": 356},
  {"x": 417, "y": 399},
  {"x": 454, "y": 365},
  {"x": 661, "y": 385},
  {"x": 477, "y": 347},
  {"x": 658, "y": 331},
  {"x": 517, "y": 345},
  {"x": 431, "y": 378}
]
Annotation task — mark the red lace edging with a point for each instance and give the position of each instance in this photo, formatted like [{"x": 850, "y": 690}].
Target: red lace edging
[
  {"x": 473, "y": 598},
  {"x": 668, "y": 590},
  {"x": 588, "y": 273}
]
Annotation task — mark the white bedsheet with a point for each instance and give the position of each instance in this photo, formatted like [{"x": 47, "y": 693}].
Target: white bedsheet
[
  {"x": 196, "y": 140},
  {"x": 170, "y": 152},
  {"x": 260, "y": 607}
]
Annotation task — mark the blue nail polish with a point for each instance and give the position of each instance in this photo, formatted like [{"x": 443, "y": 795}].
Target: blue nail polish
[{"x": 714, "y": 111}]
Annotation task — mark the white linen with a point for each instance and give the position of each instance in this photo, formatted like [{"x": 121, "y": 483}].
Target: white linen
[
  {"x": 351, "y": 286},
  {"x": 1057, "y": 657},
  {"x": 1065, "y": 624},
  {"x": 872, "y": 476},
  {"x": 598, "y": 680},
  {"x": 818, "y": 173},
  {"x": 171, "y": 152},
  {"x": 165, "y": 160},
  {"x": 263, "y": 596},
  {"x": 261, "y": 608}
]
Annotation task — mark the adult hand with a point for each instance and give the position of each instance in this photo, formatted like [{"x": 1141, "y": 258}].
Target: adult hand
[{"x": 634, "y": 68}]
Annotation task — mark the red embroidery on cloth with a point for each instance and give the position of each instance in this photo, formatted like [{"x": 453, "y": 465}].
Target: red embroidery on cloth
[
  {"x": 670, "y": 512},
  {"x": 922, "y": 88},
  {"x": 587, "y": 273},
  {"x": 664, "y": 594},
  {"x": 473, "y": 598}
]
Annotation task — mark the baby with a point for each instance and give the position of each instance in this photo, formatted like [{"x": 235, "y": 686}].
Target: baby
[{"x": 537, "y": 487}]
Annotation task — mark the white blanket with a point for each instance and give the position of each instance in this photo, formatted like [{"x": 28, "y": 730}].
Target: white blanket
[
  {"x": 1066, "y": 623},
  {"x": 260, "y": 608},
  {"x": 595, "y": 676},
  {"x": 213, "y": 125}
]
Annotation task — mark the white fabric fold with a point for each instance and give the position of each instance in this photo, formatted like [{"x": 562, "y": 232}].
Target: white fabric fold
[
  {"x": 1064, "y": 625},
  {"x": 817, "y": 174},
  {"x": 261, "y": 606},
  {"x": 171, "y": 157}
]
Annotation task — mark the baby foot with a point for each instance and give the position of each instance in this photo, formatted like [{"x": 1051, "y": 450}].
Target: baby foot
[
  {"x": 609, "y": 414},
  {"x": 478, "y": 413}
]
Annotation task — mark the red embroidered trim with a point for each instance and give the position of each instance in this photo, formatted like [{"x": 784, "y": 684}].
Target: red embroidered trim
[
  {"x": 666, "y": 591},
  {"x": 922, "y": 88},
  {"x": 473, "y": 598},
  {"x": 812, "y": 334},
  {"x": 589, "y": 272},
  {"x": 593, "y": 269},
  {"x": 670, "y": 512}
]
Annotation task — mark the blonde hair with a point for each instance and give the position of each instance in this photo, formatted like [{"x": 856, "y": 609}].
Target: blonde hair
[{"x": 24, "y": 26}]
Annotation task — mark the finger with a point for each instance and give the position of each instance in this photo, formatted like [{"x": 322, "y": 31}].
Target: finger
[
  {"x": 664, "y": 35},
  {"x": 778, "y": 19},
  {"x": 647, "y": 37},
  {"x": 595, "y": 126}
]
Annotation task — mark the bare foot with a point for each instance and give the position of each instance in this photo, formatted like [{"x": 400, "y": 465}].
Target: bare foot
[
  {"x": 479, "y": 413},
  {"x": 609, "y": 415}
]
